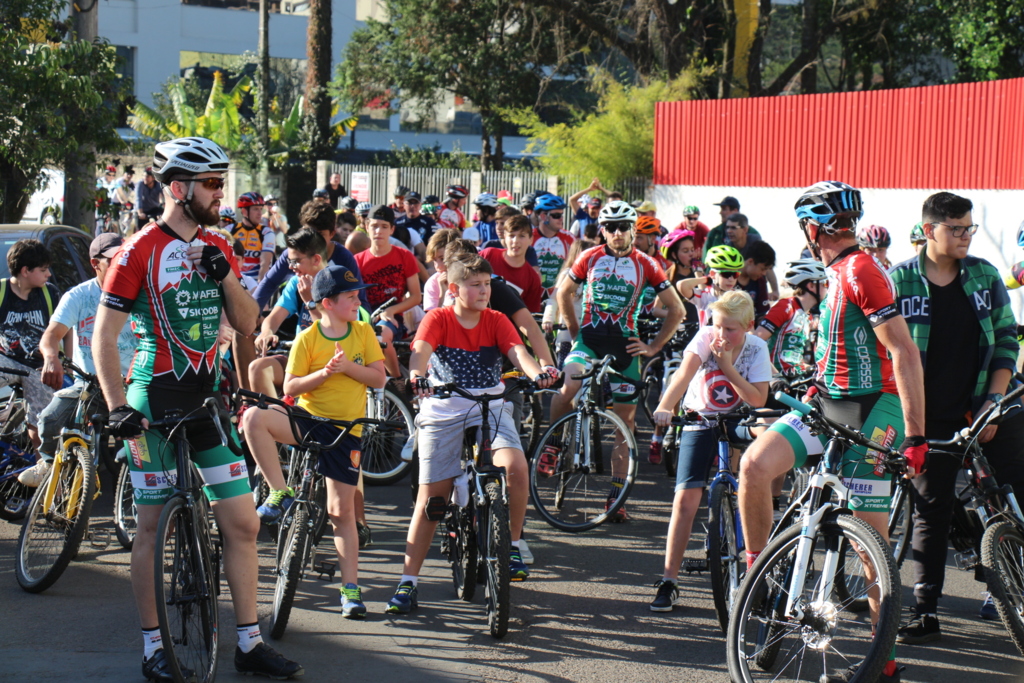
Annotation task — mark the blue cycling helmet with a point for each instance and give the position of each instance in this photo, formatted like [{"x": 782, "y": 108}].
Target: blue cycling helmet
[
  {"x": 826, "y": 203},
  {"x": 549, "y": 202}
]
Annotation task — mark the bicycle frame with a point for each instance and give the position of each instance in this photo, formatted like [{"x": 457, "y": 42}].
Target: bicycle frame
[{"x": 589, "y": 399}]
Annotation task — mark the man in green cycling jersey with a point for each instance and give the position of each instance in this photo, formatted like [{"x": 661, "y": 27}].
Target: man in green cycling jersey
[
  {"x": 858, "y": 384},
  {"x": 175, "y": 278},
  {"x": 616, "y": 275}
]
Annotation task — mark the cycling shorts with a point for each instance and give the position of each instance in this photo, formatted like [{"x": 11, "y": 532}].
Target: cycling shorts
[
  {"x": 879, "y": 417},
  {"x": 627, "y": 376},
  {"x": 151, "y": 457}
]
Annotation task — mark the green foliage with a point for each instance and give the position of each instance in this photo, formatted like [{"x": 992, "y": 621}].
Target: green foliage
[
  {"x": 54, "y": 98},
  {"x": 427, "y": 157},
  {"x": 614, "y": 142}
]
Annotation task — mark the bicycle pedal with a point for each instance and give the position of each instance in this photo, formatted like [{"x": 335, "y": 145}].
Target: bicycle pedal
[
  {"x": 326, "y": 570},
  {"x": 966, "y": 560},
  {"x": 99, "y": 538},
  {"x": 695, "y": 565},
  {"x": 15, "y": 505}
]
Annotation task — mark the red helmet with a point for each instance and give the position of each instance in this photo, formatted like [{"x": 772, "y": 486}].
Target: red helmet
[
  {"x": 250, "y": 199},
  {"x": 457, "y": 191}
]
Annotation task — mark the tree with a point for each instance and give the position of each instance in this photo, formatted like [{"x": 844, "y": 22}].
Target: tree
[
  {"x": 498, "y": 54},
  {"x": 317, "y": 123},
  {"x": 55, "y": 96},
  {"x": 613, "y": 143}
]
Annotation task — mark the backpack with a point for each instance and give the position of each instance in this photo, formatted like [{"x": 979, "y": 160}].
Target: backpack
[{"x": 46, "y": 295}]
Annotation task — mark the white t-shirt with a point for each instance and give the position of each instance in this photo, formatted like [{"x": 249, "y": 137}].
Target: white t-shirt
[
  {"x": 702, "y": 300},
  {"x": 709, "y": 391},
  {"x": 77, "y": 310}
]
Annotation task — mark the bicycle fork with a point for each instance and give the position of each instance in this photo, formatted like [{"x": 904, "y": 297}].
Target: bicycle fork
[{"x": 812, "y": 517}]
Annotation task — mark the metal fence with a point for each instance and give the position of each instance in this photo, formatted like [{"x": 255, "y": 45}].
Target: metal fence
[{"x": 427, "y": 181}]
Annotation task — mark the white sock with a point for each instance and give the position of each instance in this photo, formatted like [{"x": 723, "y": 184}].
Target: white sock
[
  {"x": 515, "y": 544},
  {"x": 249, "y": 636},
  {"x": 669, "y": 579},
  {"x": 151, "y": 642},
  {"x": 410, "y": 579}
]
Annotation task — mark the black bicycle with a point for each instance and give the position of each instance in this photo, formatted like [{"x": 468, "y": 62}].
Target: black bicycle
[
  {"x": 477, "y": 536},
  {"x": 304, "y": 522},
  {"x": 16, "y": 453}
]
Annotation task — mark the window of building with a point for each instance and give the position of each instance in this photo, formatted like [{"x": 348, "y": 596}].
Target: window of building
[{"x": 300, "y": 7}]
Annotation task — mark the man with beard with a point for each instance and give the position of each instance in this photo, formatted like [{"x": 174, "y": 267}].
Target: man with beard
[{"x": 175, "y": 278}]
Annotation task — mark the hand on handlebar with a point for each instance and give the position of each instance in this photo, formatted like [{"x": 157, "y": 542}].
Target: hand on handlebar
[
  {"x": 915, "y": 450},
  {"x": 662, "y": 418},
  {"x": 421, "y": 387},
  {"x": 264, "y": 342},
  {"x": 126, "y": 422}
]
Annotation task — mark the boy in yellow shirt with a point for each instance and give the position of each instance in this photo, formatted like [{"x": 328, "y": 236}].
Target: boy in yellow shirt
[{"x": 329, "y": 367}]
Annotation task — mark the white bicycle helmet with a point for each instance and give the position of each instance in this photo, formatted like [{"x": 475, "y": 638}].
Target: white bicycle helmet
[
  {"x": 804, "y": 270},
  {"x": 486, "y": 200},
  {"x": 617, "y": 212},
  {"x": 187, "y": 157},
  {"x": 363, "y": 208}
]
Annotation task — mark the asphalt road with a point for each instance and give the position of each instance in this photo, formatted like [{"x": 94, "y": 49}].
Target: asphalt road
[{"x": 582, "y": 616}]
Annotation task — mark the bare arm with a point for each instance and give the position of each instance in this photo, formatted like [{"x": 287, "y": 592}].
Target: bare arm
[
  {"x": 673, "y": 393},
  {"x": 414, "y": 298},
  {"x": 565, "y": 294},
  {"x": 762, "y": 333},
  {"x": 266, "y": 260},
  {"x": 522, "y": 359},
  {"x": 372, "y": 375},
  {"x": 109, "y": 324},
  {"x": 773, "y": 284},
  {"x": 685, "y": 287},
  {"x": 241, "y": 309},
  {"x": 906, "y": 362},
  {"x": 528, "y": 326},
  {"x": 49, "y": 347}
]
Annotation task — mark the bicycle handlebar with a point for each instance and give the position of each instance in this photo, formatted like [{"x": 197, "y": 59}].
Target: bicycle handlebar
[
  {"x": 446, "y": 390},
  {"x": 12, "y": 371},
  {"x": 746, "y": 416},
  {"x": 987, "y": 416},
  {"x": 69, "y": 365},
  {"x": 600, "y": 367},
  {"x": 375, "y": 316}
]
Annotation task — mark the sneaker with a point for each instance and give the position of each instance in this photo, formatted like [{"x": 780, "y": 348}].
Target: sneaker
[
  {"x": 620, "y": 516},
  {"x": 988, "y": 609},
  {"x": 524, "y": 552},
  {"x": 923, "y": 628},
  {"x": 275, "y": 505},
  {"x": 352, "y": 606},
  {"x": 157, "y": 669},
  {"x": 517, "y": 570},
  {"x": 35, "y": 475},
  {"x": 263, "y": 660},
  {"x": 666, "y": 598},
  {"x": 404, "y": 599},
  {"x": 654, "y": 454},
  {"x": 547, "y": 463},
  {"x": 847, "y": 676},
  {"x": 365, "y": 537}
]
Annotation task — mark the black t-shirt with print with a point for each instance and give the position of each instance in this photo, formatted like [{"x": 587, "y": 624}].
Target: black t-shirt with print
[{"x": 22, "y": 322}]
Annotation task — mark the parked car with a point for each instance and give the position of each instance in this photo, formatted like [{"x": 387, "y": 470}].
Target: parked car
[
  {"x": 47, "y": 204},
  {"x": 69, "y": 249}
]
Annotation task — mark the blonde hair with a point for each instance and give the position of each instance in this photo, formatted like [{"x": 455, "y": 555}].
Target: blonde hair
[
  {"x": 440, "y": 240},
  {"x": 737, "y": 305}
]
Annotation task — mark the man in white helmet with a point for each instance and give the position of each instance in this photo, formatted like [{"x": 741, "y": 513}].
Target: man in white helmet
[{"x": 176, "y": 277}]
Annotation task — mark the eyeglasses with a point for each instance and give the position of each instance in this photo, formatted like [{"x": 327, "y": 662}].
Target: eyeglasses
[
  {"x": 728, "y": 274},
  {"x": 294, "y": 262},
  {"x": 958, "y": 230},
  {"x": 692, "y": 218},
  {"x": 618, "y": 227},
  {"x": 557, "y": 215},
  {"x": 208, "y": 183}
]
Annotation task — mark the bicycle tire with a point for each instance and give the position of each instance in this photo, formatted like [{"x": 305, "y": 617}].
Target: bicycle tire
[
  {"x": 459, "y": 546},
  {"x": 575, "y": 499},
  {"x": 822, "y": 641},
  {"x": 901, "y": 522},
  {"x": 291, "y": 550},
  {"x": 14, "y": 496},
  {"x": 382, "y": 451},
  {"x": 125, "y": 523},
  {"x": 321, "y": 519},
  {"x": 532, "y": 422},
  {"x": 723, "y": 550},
  {"x": 494, "y": 522},
  {"x": 186, "y": 593},
  {"x": 1002, "y": 556},
  {"x": 52, "y": 534},
  {"x": 650, "y": 387}
]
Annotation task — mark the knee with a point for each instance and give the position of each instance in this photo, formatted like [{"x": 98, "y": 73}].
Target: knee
[
  {"x": 243, "y": 529},
  {"x": 753, "y": 469}
]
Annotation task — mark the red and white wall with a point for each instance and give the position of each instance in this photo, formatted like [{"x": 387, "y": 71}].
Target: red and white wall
[{"x": 896, "y": 146}]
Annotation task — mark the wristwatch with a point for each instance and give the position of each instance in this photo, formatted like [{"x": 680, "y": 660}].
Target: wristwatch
[
  {"x": 310, "y": 305},
  {"x": 995, "y": 398}
]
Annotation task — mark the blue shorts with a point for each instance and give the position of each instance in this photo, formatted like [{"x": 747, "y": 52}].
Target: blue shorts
[
  {"x": 342, "y": 462},
  {"x": 698, "y": 450},
  {"x": 398, "y": 332}
]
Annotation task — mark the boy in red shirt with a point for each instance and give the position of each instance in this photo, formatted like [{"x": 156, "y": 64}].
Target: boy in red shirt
[
  {"x": 510, "y": 262},
  {"x": 463, "y": 344},
  {"x": 395, "y": 273}
]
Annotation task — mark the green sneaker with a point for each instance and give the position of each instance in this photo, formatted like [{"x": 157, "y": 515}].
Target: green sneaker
[
  {"x": 517, "y": 570},
  {"x": 404, "y": 599},
  {"x": 275, "y": 505},
  {"x": 352, "y": 606}
]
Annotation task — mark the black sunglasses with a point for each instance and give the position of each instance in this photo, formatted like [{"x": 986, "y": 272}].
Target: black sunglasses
[
  {"x": 621, "y": 226},
  {"x": 556, "y": 216},
  {"x": 729, "y": 274}
]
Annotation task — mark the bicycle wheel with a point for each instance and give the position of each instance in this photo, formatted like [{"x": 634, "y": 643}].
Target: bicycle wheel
[
  {"x": 14, "y": 496},
  {"x": 851, "y": 588},
  {"x": 1002, "y": 555},
  {"x": 320, "y": 517},
  {"x": 382, "y": 450},
  {"x": 581, "y": 496},
  {"x": 496, "y": 544},
  {"x": 765, "y": 643},
  {"x": 459, "y": 546},
  {"x": 124, "y": 508},
  {"x": 186, "y": 598},
  {"x": 291, "y": 553},
  {"x": 723, "y": 550},
  {"x": 58, "y": 518}
]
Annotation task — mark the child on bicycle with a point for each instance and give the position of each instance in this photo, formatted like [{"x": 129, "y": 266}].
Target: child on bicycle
[
  {"x": 463, "y": 344},
  {"x": 723, "y": 367},
  {"x": 725, "y": 264},
  {"x": 329, "y": 367}
]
